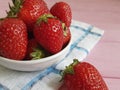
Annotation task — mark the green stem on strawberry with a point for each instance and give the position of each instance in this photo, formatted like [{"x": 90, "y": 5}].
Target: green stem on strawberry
[
  {"x": 15, "y": 8},
  {"x": 2, "y": 19},
  {"x": 69, "y": 69},
  {"x": 64, "y": 29},
  {"x": 44, "y": 18},
  {"x": 37, "y": 54}
]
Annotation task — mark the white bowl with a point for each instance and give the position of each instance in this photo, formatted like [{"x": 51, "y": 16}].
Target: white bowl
[{"x": 35, "y": 65}]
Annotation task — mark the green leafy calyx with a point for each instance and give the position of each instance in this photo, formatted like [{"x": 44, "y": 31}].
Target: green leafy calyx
[
  {"x": 37, "y": 54},
  {"x": 44, "y": 18},
  {"x": 69, "y": 69},
  {"x": 64, "y": 29},
  {"x": 14, "y": 9}
]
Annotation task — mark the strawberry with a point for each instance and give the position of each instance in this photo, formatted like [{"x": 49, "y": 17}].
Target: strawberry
[
  {"x": 82, "y": 76},
  {"x": 34, "y": 51},
  {"x": 67, "y": 34},
  {"x": 62, "y": 11},
  {"x": 13, "y": 38},
  {"x": 32, "y": 44},
  {"x": 49, "y": 33},
  {"x": 28, "y": 10}
]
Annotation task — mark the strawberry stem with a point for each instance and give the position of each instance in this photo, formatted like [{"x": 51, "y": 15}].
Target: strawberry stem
[
  {"x": 64, "y": 29},
  {"x": 14, "y": 9},
  {"x": 37, "y": 54},
  {"x": 69, "y": 69},
  {"x": 2, "y": 19},
  {"x": 75, "y": 61},
  {"x": 44, "y": 18}
]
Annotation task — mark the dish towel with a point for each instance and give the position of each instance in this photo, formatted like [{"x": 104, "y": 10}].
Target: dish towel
[{"x": 84, "y": 38}]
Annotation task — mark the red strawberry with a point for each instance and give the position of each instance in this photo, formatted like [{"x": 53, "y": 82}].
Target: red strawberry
[
  {"x": 28, "y": 10},
  {"x": 82, "y": 76},
  {"x": 49, "y": 33},
  {"x": 13, "y": 38},
  {"x": 34, "y": 51},
  {"x": 32, "y": 44},
  {"x": 67, "y": 35},
  {"x": 62, "y": 11}
]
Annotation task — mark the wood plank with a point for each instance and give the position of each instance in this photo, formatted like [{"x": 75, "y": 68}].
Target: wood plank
[{"x": 106, "y": 57}]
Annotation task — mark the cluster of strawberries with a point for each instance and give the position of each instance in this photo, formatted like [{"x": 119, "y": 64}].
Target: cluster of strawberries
[{"x": 32, "y": 31}]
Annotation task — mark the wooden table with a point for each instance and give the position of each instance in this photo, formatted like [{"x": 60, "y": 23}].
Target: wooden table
[{"x": 104, "y": 14}]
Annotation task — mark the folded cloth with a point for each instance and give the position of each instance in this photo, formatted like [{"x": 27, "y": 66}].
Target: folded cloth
[{"x": 84, "y": 38}]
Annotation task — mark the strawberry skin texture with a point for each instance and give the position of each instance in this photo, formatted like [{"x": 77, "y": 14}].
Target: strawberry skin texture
[
  {"x": 32, "y": 44},
  {"x": 63, "y": 87},
  {"x": 31, "y": 10},
  {"x": 67, "y": 37},
  {"x": 85, "y": 77},
  {"x": 13, "y": 38},
  {"x": 62, "y": 11},
  {"x": 50, "y": 35}
]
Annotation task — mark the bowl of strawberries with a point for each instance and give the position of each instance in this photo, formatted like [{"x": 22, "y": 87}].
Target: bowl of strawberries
[{"x": 32, "y": 37}]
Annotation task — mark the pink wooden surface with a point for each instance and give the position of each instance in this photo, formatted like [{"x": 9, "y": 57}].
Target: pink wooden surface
[{"x": 104, "y": 14}]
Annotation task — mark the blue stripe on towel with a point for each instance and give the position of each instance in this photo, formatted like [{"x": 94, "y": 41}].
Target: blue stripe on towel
[
  {"x": 40, "y": 76},
  {"x": 97, "y": 34},
  {"x": 83, "y": 49},
  {"x": 2, "y": 87},
  {"x": 78, "y": 27},
  {"x": 52, "y": 68},
  {"x": 81, "y": 28},
  {"x": 37, "y": 78},
  {"x": 81, "y": 38}
]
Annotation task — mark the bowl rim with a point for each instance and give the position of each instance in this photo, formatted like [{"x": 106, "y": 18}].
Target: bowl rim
[{"x": 39, "y": 60}]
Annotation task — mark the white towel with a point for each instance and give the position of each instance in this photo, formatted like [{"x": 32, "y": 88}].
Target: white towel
[{"x": 84, "y": 38}]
